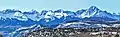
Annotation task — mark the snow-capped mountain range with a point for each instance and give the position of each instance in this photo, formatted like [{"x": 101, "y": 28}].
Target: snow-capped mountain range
[
  {"x": 14, "y": 22},
  {"x": 51, "y": 18}
]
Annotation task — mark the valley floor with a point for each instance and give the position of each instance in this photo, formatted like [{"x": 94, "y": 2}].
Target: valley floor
[{"x": 75, "y": 32}]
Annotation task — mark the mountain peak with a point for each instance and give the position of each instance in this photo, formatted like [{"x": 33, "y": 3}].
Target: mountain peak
[
  {"x": 93, "y": 8},
  {"x": 90, "y": 12}
]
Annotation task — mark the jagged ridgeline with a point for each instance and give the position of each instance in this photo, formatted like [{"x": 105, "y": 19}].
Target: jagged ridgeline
[{"x": 15, "y": 22}]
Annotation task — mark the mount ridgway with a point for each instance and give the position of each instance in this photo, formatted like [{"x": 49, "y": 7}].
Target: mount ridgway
[{"x": 49, "y": 18}]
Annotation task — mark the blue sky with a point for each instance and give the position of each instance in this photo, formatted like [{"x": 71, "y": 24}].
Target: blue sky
[{"x": 27, "y": 5}]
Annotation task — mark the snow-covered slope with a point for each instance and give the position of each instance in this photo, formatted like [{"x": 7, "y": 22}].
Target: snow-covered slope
[{"x": 50, "y": 18}]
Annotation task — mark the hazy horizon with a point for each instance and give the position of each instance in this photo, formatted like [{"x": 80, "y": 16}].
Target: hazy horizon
[{"x": 27, "y": 5}]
